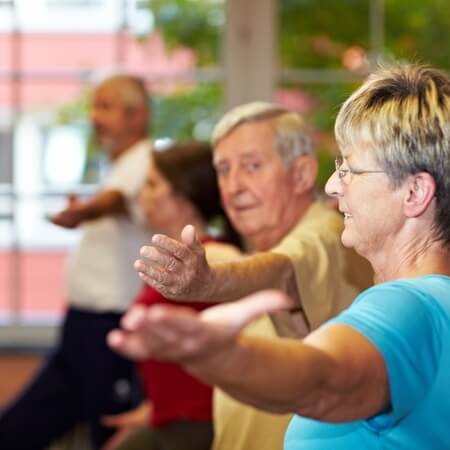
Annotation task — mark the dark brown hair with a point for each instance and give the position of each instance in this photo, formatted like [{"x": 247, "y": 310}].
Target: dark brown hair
[{"x": 188, "y": 167}]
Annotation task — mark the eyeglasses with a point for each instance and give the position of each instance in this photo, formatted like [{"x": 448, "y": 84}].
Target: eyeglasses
[{"x": 345, "y": 175}]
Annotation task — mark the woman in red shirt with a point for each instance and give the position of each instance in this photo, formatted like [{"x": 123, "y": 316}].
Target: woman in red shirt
[{"x": 181, "y": 188}]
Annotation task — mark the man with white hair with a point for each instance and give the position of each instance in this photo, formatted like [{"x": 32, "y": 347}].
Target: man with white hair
[
  {"x": 266, "y": 171},
  {"x": 82, "y": 379}
]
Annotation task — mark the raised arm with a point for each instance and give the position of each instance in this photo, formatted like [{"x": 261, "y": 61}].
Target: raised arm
[
  {"x": 335, "y": 374},
  {"x": 180, "y": 271},
  {"x": 101, "y": 204}
]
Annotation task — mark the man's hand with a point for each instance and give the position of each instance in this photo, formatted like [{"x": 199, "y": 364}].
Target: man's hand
[
  {"x": 182, "y": 335},
  {"x": 72, "y": 216},
  {"x": 178, "y": 270}
]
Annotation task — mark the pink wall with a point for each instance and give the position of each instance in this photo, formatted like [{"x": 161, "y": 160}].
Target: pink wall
[{"x": 62, "y": 56}]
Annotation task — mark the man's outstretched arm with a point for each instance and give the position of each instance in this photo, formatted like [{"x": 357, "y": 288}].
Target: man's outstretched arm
[
  {"x": 179, "y": 270},
  {"x": 101, "y": 204}
]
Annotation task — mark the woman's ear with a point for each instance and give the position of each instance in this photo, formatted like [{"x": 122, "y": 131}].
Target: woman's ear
[
  {"x": 421, "y": 191},
  {"x": 305, "y": 170}
]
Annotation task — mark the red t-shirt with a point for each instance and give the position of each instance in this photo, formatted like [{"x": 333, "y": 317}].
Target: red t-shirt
[{"x": 174, "y": 393}]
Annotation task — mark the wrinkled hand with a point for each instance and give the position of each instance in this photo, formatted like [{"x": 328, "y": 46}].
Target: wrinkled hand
[
  {"x": 182, "y": 335},
  {"x": 178, "y": 270},
  {"x": 72, "y": 216}
]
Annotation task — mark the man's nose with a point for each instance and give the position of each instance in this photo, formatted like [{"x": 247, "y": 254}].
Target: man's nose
[{"x": 234, "y": 182}]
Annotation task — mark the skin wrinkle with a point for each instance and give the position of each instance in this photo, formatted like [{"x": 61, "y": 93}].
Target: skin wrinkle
[{"x": 412, "y": 253}]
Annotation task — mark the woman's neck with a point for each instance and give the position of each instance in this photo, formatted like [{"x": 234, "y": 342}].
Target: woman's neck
[{"x": 408, "y": 262}]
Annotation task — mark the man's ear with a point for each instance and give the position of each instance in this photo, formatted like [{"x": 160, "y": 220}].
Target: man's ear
[
  {"x": 421, "y": 189},
  {"x": 305, "y": 170}
]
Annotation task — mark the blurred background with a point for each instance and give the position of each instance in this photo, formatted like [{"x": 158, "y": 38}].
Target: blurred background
[{"x": 198, "y": 57}]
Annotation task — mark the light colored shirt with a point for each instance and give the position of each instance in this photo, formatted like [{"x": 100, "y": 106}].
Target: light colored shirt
[
  {"x": 314, "y": 248},
  {"x": 321, "y": 266},
  {"x": 408, "y": 321},
  {"x": 242, "y": 427},
  {"x": 100, "y": 274}
]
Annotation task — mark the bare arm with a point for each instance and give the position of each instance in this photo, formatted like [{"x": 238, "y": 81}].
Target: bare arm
[
  {"x": 266, "y": 270},
  {"x": 180, "y": 270},
  {"x": 101, "y": 204},
  {"x": 335, "y": 374}
]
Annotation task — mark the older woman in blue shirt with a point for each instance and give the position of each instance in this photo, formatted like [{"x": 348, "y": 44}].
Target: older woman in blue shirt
[{"x": 376, "y": 376}]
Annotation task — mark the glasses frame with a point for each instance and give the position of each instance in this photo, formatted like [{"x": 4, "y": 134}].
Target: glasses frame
[{"x": 342, "y": 173}]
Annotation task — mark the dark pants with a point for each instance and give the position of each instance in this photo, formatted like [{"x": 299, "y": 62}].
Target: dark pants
[{"x": 81, "y": 380}]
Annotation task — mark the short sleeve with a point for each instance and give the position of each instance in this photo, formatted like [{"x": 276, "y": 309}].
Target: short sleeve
[
  {"x": 400, "y": 321},
  {"x": 319, "y": 262},
  {"x": 129, "y": 173}
]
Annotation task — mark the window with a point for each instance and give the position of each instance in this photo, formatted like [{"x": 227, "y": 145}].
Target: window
[{"x": 50, "y": 53}]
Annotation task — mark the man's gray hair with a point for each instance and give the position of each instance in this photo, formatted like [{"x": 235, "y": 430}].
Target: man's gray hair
[
  {"x": 292, "y": 138},
  {"x": 131, "y": 90}
]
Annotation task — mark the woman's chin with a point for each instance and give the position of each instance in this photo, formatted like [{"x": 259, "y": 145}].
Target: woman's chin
[{"x": 347, "y": 239}]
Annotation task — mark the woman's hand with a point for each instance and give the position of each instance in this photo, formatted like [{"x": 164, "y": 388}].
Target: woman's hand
[
  {"x": 183, "y": 335},
  {"x": 125, "y": 423}
]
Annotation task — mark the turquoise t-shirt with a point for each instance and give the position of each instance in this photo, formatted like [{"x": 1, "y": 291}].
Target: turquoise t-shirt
[{"x": 409, "y": 323}]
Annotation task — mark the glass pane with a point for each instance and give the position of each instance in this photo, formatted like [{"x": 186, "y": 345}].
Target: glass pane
[
  {"x": 319, "y": 104},
  {"x": 31, "y": 282},
  {"x": 5, "y": 95},
  {"x": 69, "y": 15},
  {"x": 42, "y": 96},
  {"x": 187, "y": 112},
  {"x": 67, "y": 54},
  {"x": 60, "y": 49},
  {"x": 6, "y": 16},
  {"x": 193, "y": 24},
  {"x": 316, "y": 34},
  {"x": 5, "y": 52},
  {"x": 5, "y": 159},
  {"x": 42, "y": 284},
  {"x": 7, "y": 274},
  {"x": 415, "y": 30}
]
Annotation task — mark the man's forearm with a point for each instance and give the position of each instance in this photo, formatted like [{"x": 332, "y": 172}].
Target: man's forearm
[
  {"x": 233, "y": 280},
  {"x": 103, "y": 203}
]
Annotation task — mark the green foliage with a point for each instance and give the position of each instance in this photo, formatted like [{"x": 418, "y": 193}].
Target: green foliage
[
  {"x": 314, "y": 33},
  {"x": 187, "y": 115},
  {"x": 191, "y": 23},
  {"x": 326, "y": 167},
  {"x": 416, "y": 31},
  {"x": 75, "y": 111}
]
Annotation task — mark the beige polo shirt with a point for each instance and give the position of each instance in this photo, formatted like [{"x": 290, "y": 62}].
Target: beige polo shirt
[{"x": 322, "y": 267}]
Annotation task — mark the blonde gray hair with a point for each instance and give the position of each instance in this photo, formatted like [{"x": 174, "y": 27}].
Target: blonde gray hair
[
  {"x": 403, "y": 113},
  {"x": 292, "y": 139}
]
